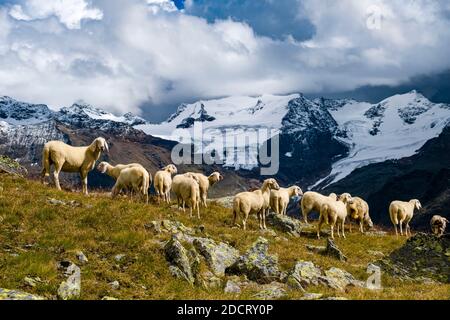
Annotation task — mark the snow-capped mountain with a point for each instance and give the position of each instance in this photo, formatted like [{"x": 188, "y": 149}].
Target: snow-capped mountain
[{"x": 355, "y": 133}]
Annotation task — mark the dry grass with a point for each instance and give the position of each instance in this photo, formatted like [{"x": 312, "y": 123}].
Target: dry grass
[{"x": 35, "y": 235}]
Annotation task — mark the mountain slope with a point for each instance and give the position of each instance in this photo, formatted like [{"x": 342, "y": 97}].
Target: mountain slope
[{"x": 424, "y": 176}]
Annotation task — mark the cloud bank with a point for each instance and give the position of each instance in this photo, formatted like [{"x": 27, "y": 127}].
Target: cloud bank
[{"x": 123, "y": 55}]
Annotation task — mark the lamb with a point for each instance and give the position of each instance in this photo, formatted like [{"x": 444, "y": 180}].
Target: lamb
[
  {"x": 71, "y": 159},
  {"x": 114, "y": 171},
  {"x": 402, "y": 213},
  {"x": 312, "y": 201},
  {"x": 358, "y": 210},
  {"x": 334, "y": 212},
  {"x": 187, "y": 190},
  {"x": 438, "y": 225},
  {"x": 256, "y": 202},
  {"x": 136, "y": 178},
  {"x": 279, "y": 199},
  {"x": 163, "y": 182},
  {"x": 205, "y": 183}
]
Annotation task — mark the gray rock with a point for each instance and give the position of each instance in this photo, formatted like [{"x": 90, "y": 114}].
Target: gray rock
[
  {"x": 109, "y": 298},
  {"x": 335, "y": 298},
  {"x": 285, "y": 224},
  {"x": 82, "y": 257},
  {"x": 316, "y": 249},
  {"x": 18, "y": 295},
  {"x": 311, "y": 296},
  {"x": 218, "y": 256},
  {"x": 178, "y": 257},
  {"x": 32, "y": 282},
  {"x": 257, "y": 264},
  {"x": 210, "y": 281},
  {"x": 272, "y": 291},
  {"x": 119, "y": 257},
  {"x": 332, "y": 250},
  {"x": 232, "y": 287},
  {"x": 304, "y": 274},
  {"x": 339, "y": 279},
  {"x": 115, "y": 285},
  {"x": 71, "y": 288}
]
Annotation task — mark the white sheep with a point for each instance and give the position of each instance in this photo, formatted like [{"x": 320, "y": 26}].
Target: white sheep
[
  {"x": 163, "y": 182},
  {"x": 402, "y": 213},
  {"x": 256, "y": 202},
  {"x": 312, "y": 201},
  {"x": 358, "y": 210},
  {"x": 334, "y": 213},
  {"x": 279, "y": 199},
  {"x": 205, "y": 183},
  {"x": 71, "y": 159},
  {"x": 134, "y": 178},
  {"x": 438, "y": 225},
  {"x": 114, "y": 171},
  {"x": 187, "y": 190}
]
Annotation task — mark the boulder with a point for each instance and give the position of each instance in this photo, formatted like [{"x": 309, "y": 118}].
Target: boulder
[
  {"x": 423, "y": 257},
  {"x": 178, "y": 258},
  {"x": 304, "y": 274},
  {"x": 339, "y": 279},
  {"x": 18, "y": 295},
  {"x": 332, "y": 250},
  {"x": 285, "y": 224},
  {"x": 82, "y": 257},
  {"x": 71, "y": 288},
  {"x": 257, "y": 264},
  {"x": 272, "y": 291},
  {"x": 218, "y": 256},
  {"x": 232, "y": 287}
]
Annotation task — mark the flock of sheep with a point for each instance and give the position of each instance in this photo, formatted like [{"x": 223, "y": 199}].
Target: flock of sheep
[{"x": 192, "y": 189}]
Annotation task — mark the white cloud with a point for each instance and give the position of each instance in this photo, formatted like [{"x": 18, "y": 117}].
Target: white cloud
[
  {"x": 69, "y": 12},
  {"x": 145, "y": 50}
]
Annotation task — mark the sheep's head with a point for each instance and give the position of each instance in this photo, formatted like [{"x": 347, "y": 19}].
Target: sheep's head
[
  {"x": 345, "y": 197},
  {"x": 272, "y": 184},
  {"x": 215, "y": 177},
  {"x": 416, "y": 203},
  {"x": 333, "y": 196},
  {"x": 171, "y": 169},
  {"x": 298, "y": 191},
  {"x": 101, "y": 145},
  {"x": 102, "y": 167}
]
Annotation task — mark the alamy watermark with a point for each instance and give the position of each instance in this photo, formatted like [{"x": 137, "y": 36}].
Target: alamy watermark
[{"x": 246, "y": 148}]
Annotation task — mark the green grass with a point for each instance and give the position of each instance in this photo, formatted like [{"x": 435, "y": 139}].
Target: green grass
[{"x": 36, "y": 235}]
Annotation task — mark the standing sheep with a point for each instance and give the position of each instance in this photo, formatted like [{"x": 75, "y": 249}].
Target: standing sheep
[
  {"x": 187, "y": 190},
  {"x": 135, "y": 178},
  {"x": 71, "y": 159},
  {"x": 438, "y": 225},
  {"x": 402, "y": 212},
  {"x": 163, "y": 182},
  {"x": 279, "y": 199},
  {"x": 358, "y": 210},
  {"x": 205, "y": 183},
  {"x": 334, "y": 213},
  {"x": 312, "y": 201},
  {"x": 256, "y": 202}
]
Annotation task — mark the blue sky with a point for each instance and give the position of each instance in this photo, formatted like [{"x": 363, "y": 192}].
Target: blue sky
[{"x": 148, "y": 56}]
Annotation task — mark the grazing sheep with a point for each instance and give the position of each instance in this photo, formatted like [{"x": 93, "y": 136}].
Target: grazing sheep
[
  {"x": 163, "y": 182},
  {"x": 279, "y": 199},
  {"x": 71, "y": 159},
  {"x": 402, "y": 212},
  {"x": 114, "y": 171},
  {"x": 187, "y": 190},
  {"x": 312, "y": 201},
  {"x": 205, "y": 183},
  {"x": 358, "y": 210},
  {"x": 334, "y": 213},
  {"x": 256, "y": 202},
  {"x": 134, "y": 178},
  {"x": 438, "y": 225}
]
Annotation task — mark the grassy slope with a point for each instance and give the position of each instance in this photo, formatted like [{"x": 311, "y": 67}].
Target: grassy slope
[{"x": 116, "y": 227}]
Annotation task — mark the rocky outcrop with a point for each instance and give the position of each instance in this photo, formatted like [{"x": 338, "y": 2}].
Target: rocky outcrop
[
  {"x": 218, "y": 256},
  {"x": 272, "y": 291},
  {"x": 257, "y": 264},
  {"x": 18, "y": 295},
  {"x": 70, "y": 289},
  {"x": 305, "y": 274},
  {"x": 182, "y": 262},
  {"x": 423, "y": 257},
  {"x": 285, "y": 224},
  {"x": 9, "y": 166},
  {"x": 331, "y": 250}
]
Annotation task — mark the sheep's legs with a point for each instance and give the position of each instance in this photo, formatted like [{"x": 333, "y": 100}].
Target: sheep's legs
[
  {"x": 343, "y": 229},
  {"x": 332, "y": 231},
  {"x": 58, "y": 168},
  {"x": 319, "y": 226},
  {"x": 396, "y": 232},
  {"x": 84, "y": 181},
  {"x": 401, "y": 227}
]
